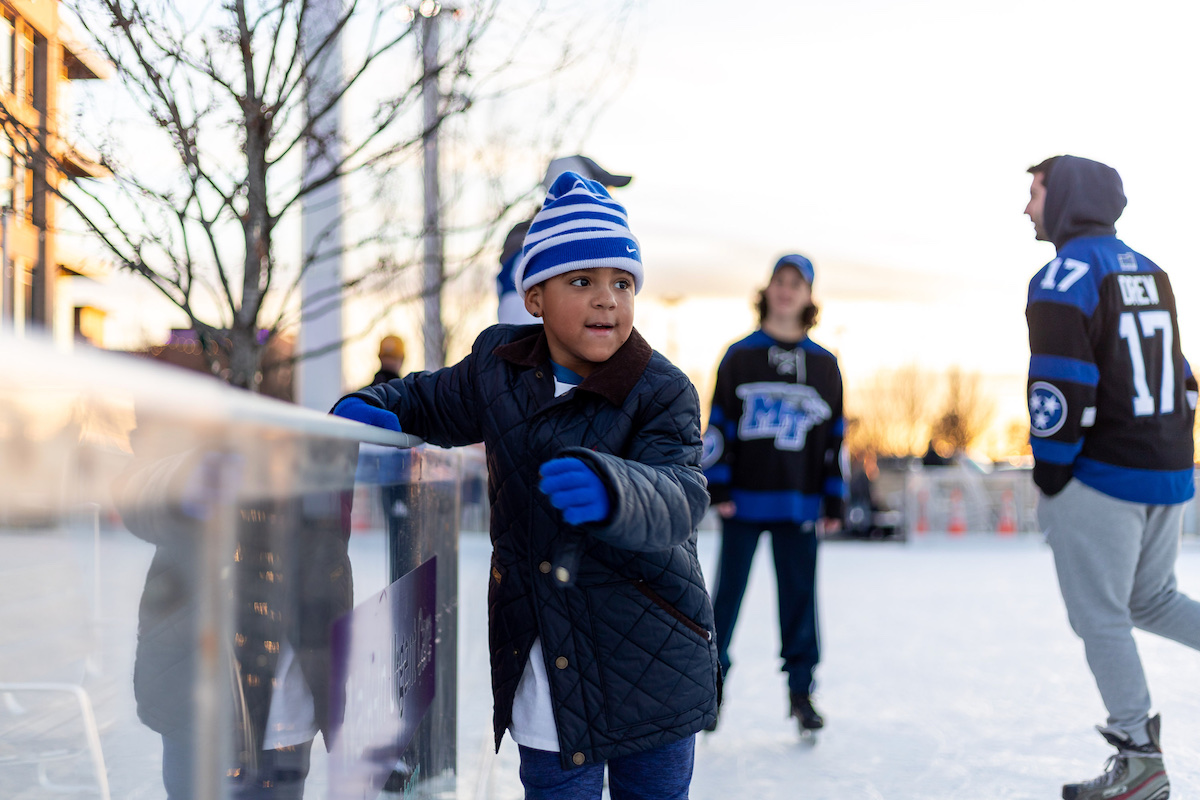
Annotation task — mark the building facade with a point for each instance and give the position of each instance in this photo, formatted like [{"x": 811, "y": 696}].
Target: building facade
[{"x": 38, "y": 59}]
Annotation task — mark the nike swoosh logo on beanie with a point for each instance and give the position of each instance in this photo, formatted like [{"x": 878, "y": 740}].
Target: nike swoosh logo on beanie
[{"x": 579, "y": 226}]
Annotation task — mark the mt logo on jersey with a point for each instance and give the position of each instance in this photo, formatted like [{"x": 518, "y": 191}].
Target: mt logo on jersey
[{"x": 783, "y": 411}]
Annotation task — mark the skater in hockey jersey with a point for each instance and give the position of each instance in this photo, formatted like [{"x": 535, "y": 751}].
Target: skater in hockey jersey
[
  {"x": 772, "y": 459},
  {"x": 1111, "y": 406}
]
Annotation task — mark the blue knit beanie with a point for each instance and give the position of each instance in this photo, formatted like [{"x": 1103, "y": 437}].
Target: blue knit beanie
[
  {"x": 799, "y": 262},
  {"x": 579, "y": 226}
]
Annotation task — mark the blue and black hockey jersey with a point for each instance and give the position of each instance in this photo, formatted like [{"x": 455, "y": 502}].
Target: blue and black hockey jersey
[
  {"x": 1111, "y": 397},
  {"x": 774, "y": 435}
]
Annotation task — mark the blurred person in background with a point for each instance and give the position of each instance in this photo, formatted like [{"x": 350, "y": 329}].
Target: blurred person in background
[
  {"x": 391, "y": 359},
  {"x": 773, "y": 459}
]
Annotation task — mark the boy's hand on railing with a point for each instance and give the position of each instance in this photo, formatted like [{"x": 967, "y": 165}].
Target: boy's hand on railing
[
  {"x": 360, "y": 410},
  {"x": 575, "y": 489}
]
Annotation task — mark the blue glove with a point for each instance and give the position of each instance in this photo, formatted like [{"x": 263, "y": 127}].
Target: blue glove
[
  {"x": 360, "y": 410},
  {"x": 575, "y": 489}
]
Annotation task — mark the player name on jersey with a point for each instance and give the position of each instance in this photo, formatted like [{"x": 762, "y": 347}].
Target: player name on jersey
[{"x": 1138, "y": 290}]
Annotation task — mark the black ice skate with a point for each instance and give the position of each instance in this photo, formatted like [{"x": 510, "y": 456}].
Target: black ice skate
[
  {"x": 802, "y": 710},
  {"x": 1134, "y": 773}
]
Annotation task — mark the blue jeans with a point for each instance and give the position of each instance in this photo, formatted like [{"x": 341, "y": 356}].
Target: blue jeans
[
  {"x": 664, "y": 773},
  {"x": 795, "y": 551}
]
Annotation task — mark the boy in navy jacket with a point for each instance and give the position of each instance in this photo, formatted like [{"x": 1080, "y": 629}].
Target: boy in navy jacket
[{"x": 601, "y": 630}]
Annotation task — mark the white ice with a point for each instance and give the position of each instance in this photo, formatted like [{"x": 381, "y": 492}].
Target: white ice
[{"x": 948, "y": 671}]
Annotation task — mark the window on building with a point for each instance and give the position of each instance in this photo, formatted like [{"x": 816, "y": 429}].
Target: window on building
[
  {"x": 36, "y": 194},
  {"x": 89, "y": 325},
  {"x": 23, "y": 82},
  {"x": 37, "y": 82},
  {"x": 6, "y": 173},
  {"x": 26, "y": 187},
  {"x": 19, "y": 176},
  {"x": 22, "y": 295},
  {"x": 33, "y": 315},
  {"x": 6, "y": 53}
]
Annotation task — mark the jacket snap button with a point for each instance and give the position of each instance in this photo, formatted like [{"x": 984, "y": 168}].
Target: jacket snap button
[
  {"x": 538, "y": 373},
  {"x": 544, "y": 567},
  {"x": 578, "y": 758},
  {"x": 561, "y": 662}
]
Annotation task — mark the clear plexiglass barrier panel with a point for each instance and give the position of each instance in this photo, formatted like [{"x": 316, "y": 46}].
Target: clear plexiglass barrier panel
[{"x": 208, "y": 594}]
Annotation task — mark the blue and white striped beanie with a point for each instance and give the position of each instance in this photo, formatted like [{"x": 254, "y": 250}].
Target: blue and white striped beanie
[{"x": 580, "y": 226}]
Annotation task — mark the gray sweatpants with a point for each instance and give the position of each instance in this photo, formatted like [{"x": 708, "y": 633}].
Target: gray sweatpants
[{"x": 1116, "y": 569}]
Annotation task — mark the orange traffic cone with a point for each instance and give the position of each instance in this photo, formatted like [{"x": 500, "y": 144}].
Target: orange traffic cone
[
  {"x": 958, "y": 521},
  {"x": 1007, "y": 524},
  {"x": 922, "y": 512},
  {"x": 360, "y": 515}
]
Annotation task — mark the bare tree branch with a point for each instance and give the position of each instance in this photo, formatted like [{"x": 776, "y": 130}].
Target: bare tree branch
[{"x": 214, "y": 118}]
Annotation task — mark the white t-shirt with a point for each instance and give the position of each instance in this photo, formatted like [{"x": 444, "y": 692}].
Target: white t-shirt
[
  {"x": 533, "y": 710},
  {"x": 291, "y": 719}
]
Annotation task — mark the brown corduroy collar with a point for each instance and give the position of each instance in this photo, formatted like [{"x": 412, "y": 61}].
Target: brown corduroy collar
[{"x": 612, "y": 380}]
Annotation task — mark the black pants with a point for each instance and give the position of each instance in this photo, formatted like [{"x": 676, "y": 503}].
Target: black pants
[{"x": 795, "y": 551}]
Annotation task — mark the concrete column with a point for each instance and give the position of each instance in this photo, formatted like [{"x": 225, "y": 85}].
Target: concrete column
[
  {"x": 319, "y": 381},
  {"x": 434, "y": 268}
]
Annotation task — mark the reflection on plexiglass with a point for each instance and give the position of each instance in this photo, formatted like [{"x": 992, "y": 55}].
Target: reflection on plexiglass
[{"x": 190, "y": 578}]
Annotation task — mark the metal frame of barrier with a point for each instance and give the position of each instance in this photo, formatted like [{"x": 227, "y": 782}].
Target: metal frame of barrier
[{"x": 957, "y": 500}]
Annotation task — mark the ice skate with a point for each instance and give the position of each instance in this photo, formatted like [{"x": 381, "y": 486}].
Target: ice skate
[
  {"x": 809, "y": 718},
  {"x": 1135, "y": 773}
]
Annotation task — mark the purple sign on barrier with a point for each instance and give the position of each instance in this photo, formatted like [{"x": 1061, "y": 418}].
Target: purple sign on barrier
[{"x": 383, "y": 683}]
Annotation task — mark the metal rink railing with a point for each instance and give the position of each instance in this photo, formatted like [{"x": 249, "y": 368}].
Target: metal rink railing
[{"x": 957, "y": 500}]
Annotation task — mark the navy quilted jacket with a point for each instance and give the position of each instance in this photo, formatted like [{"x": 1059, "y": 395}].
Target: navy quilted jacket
[{"x": 629, "y": 647}]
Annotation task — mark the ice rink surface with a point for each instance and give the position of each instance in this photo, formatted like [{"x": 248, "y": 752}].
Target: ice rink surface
[{"x": 948, "y": 671}]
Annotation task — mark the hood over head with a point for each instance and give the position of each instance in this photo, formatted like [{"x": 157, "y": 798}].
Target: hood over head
[{"x": 1083, "y": 198}]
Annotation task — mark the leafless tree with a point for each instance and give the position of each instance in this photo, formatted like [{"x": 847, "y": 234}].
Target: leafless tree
[
  {"x": 966, "y": 412},
  {"x": 889, "y": 414},
  {"x": 1016, "y": 439},
  {"x": 205, "y": 125}
]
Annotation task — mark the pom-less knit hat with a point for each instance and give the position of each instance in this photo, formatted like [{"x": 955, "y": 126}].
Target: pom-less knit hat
[
  {"x": 799, "y": 262},
  {"x": 391, "y": 346},
  {"x": 579, "y": 227},
  {"x": 585, "y": 167}
]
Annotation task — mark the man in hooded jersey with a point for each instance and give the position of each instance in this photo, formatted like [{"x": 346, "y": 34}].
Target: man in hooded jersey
[{"x": 1111, "y": 407}]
